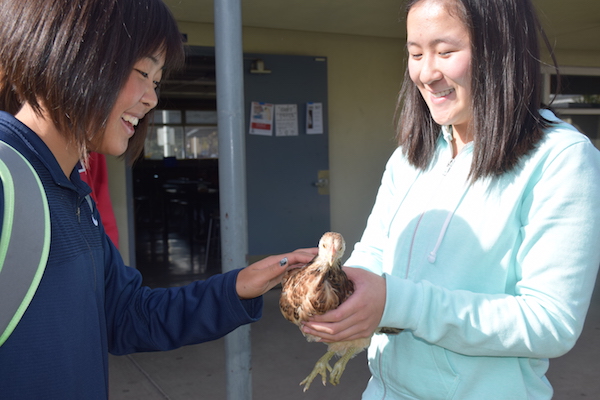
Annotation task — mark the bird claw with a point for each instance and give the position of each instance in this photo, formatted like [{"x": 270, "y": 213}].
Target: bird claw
[
  {"x": 336, "y": 373},
  {"x": 321, "y": 368}
]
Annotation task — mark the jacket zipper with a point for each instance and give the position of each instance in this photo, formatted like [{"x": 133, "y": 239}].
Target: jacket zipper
[
  {"x": 449, "y": 166},
  {"x": 431, "y": 257},
  {"x": 78, "y": 212}
]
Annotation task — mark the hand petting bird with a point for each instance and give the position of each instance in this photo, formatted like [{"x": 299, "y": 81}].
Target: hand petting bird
[{"x": 320, "y": 286}]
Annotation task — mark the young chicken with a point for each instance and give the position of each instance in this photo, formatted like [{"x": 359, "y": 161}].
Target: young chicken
[{"x": 320, "y": 286}]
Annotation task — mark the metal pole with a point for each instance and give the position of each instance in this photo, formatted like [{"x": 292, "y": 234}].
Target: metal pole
[{"x": 232, "y": 179}]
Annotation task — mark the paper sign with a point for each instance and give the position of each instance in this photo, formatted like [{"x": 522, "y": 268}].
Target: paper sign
[
  {"x": 314, "y": 118},
  {"x": 261, "y": 119},
  {"x": 286, "y": 120}
]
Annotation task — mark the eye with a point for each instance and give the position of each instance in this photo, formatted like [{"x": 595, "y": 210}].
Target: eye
[
  {"x": 446, "y": 53},
  {"x": 144, "y": 74},
  {"x": 416, "y": 56}
]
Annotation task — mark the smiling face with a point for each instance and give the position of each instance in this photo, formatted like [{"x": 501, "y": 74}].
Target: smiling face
[
  {"x": 439, "y": 63},
  {"x": 137, "y": 97}
]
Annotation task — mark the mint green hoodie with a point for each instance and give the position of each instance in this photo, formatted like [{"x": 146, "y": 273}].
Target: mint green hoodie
[{"x": 488, "y": 281}]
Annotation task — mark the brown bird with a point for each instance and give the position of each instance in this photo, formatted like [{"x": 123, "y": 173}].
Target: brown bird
[{"x": 320, "y": 286}]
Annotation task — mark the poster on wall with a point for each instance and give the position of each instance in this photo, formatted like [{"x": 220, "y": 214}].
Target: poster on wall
[
  {"x": 286, "y": 120},
  {"x": 314, "y": 118},
  {"x": 261, "y": 119}
]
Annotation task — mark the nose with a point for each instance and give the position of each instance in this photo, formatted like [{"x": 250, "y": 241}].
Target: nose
[
  {"x": 429, "y": 71},
  {"x": 150, "y": 97}
]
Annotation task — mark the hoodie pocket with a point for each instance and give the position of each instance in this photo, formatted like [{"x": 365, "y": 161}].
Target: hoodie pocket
[{"x": 413, "y": 368}]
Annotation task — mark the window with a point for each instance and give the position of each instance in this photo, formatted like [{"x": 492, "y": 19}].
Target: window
[
  {"x": 578, "y": 98},
  {"x": 182, "y": 134}
]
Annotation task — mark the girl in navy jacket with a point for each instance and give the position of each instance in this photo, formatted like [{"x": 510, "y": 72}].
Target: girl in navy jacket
[{"x": 79, "y": 76}]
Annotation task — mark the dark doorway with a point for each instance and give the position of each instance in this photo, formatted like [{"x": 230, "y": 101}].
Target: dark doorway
[{"x": 175, "y": 181}]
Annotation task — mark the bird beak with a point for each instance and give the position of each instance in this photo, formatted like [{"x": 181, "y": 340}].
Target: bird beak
[{"x": 332, "y": 257}]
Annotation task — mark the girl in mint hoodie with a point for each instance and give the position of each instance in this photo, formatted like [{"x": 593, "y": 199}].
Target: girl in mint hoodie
[{"x": 483, "y": 241}]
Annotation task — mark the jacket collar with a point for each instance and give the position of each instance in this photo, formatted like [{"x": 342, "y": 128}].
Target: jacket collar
[{"x": 26, "y": 140}]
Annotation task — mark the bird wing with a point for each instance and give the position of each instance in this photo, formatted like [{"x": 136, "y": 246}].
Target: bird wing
[
  {"x": 312, "y": 291},
  {"x": 292, "y": 294}
]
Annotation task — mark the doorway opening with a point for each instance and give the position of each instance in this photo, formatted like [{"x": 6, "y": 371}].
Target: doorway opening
[{"x": 176, "y": 181}]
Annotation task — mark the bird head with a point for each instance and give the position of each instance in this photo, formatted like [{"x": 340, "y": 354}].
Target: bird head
[{"x": 331, "y": 248}]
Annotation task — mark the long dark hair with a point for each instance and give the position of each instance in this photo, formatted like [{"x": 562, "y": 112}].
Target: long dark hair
[
  {"x": 506, "y": 86},
  {"x": 70, "y": 59}
]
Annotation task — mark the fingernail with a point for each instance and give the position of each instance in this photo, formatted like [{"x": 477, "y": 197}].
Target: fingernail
[{"x": 283, "y": 261}]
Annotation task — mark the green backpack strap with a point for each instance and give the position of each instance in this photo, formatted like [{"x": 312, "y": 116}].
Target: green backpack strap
[{"x": 25, "y": 238}]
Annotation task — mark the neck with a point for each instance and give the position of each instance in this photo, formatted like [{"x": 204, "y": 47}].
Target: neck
[
  {"x": 65, "y": 153},
  {"x": 461, "y": 137}
]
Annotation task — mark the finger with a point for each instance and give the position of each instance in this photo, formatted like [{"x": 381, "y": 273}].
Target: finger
[
  {"x": 319, "y": 329},
  {"x": 299, "y": 257},
  {"x": 283, "y": 260},
  {"x": 312, "y": 250},
  {"x": 332, "y": 322},
  {"x": 331, "y": 329},
  {"x": 329, "y": 333},
  {"x": 343, "y": 312},
  {"x": 278, "y": 264},
  {"x": 277, "y": 268},
  {"x": 329, "y": 317}
]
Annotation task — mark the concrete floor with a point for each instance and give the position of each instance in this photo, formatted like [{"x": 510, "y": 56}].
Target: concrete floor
[{"x": 281, "y": 358}]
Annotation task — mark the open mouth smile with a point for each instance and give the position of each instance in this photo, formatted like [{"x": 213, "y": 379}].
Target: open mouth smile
[
  {"x": 442, "y": 93},
  {"x": 134, "y": 121}
]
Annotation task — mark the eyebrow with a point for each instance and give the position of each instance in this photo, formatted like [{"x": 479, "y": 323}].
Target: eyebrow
[
  {"x": 155, "y": 61},
  {"x": 447, "y": 40}
]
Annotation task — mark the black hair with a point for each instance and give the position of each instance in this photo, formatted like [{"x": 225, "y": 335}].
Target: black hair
[
  {"x": 69, "y": 59},
  {"x": 506, "y": 88}
]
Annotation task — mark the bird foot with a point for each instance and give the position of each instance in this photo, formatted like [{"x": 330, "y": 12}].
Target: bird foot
[
  {"x": 321, "y": 368},
  {"x": 338, "y": 369}
]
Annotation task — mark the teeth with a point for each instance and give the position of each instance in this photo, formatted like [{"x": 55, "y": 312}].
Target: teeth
[
  {"x": 444, "y": 93},
  {"x": 131, "y": 119}
]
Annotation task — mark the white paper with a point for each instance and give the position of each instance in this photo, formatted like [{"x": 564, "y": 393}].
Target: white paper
[
  {"x": 314, "y": 118},
  {"x": 286, "y": 120},
  {"x": 261, "y": 119}
]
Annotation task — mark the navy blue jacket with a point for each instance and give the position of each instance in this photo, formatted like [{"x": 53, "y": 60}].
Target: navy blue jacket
[{"x": 89, "y": 303}]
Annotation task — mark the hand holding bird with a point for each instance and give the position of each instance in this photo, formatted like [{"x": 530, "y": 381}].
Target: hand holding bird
[
  {"x": 315, "y": 289},
  {"x": 357, "y": 317}
]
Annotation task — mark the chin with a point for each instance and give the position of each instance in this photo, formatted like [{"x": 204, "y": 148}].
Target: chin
[
  {"x": 116, "y": 152},
  {"x": 444, "y": 119}
]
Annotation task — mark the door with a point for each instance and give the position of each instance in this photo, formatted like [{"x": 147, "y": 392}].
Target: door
[{"x": 287, "y": 176}]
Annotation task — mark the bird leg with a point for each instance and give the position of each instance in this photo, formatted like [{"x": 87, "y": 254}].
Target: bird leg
[
  {"x": 321, "y": 367},
  {"x": 339, "y": 367}
]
